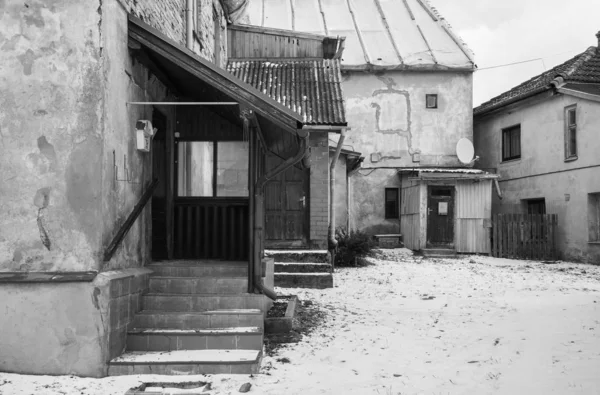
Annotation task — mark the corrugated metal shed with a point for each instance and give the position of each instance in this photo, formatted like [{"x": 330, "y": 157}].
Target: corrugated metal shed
[
  {"x": 380, "y": 34},
  {"x": 311, "y": 88}
]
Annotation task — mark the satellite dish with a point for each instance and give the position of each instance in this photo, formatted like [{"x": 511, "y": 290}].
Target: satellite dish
[{"x": 465, "y": 151}]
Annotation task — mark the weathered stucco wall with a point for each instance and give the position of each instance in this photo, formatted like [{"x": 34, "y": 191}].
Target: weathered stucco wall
[
  {"x": 392, "y": 128},
  {"x": 341, "y": 192},
  {"x": 542, "y": 151},
  {"x": 51, "y": 87},
  {"x": 54, "y": 328},
  {"x": 367, "y": 208}
]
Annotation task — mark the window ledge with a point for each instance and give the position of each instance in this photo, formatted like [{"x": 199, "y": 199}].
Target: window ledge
[
  {"x": 571, "y": 159},
  {"x": 594, "y": 242},
  {"x": 510, "y": 161}
]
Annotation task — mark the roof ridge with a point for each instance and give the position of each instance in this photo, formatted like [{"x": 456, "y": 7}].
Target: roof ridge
[{"x": 584, "y": 57}]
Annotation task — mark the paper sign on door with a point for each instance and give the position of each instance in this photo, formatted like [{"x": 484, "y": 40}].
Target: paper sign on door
[{"x": 442, "y": 208}]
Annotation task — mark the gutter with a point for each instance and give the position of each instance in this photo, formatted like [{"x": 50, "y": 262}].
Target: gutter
[
  {"x": 258, "y": 212},
  {"x": 189, "y": 24},
  {"x": 332, "y": 242}
]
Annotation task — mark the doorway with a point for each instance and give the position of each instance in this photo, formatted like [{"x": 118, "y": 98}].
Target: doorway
[
  {"x": 286, "y": 207},
  {"x": 440, "y": 216}
]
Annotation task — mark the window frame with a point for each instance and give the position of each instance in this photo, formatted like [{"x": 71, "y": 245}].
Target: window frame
[
  {"x": 214, "y": 168},
  {"x": 387, "y": 214},
  {"x": 512, "y": 156},
  {"x": 569, "y": 130},
  {"x": 431, "y": 95},
  {"x": 594, "y": 217}
]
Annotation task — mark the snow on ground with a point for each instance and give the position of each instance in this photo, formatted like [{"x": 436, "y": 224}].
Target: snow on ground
[{"x": 409, "y": 325}]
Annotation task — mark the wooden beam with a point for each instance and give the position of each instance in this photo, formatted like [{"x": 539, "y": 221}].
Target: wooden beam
[
  {"x": 220, "y": 79},
  {"x": 46, "y": 277},
  {"x": 144, "y": 59}
]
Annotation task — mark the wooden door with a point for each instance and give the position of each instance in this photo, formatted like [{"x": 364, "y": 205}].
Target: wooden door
[
  {"x": 440, "y": 216},
  {"x": 159, "y": 170},
  {"x": 286, "y": 207}
]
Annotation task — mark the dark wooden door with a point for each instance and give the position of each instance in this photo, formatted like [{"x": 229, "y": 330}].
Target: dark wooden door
[
  {"x": 286, "y": 207},
  {"x": 440, "y": 216},
  {"x": 159, "y": 170}
]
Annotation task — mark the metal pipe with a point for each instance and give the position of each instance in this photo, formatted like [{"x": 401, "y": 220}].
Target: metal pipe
[
  {"x": 259, "y": 211},
  {"x": 332, "y": 242},
  {"x": 189, "y": 28},
  {"x": 182, "y": 103},
  {"x": 251, "y": 219}
]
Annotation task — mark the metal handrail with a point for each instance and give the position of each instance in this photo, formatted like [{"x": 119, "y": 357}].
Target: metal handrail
[{"x": 116, "y": 241}]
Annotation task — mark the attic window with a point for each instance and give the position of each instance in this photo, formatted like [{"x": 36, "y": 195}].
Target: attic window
[{"x": 431, "y": 101}]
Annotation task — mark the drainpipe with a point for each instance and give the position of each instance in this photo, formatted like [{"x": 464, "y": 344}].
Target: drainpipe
[
  {"x": 189, "y": 17},
  {"x": 332, "y": 242},
  {"x": 259, "y": 212}
]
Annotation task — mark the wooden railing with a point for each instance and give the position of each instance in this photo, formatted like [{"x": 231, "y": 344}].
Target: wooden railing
[
  {"x": 116, "y": 241},
  {"x": 211, "y": 228},
  {"x": 525, "y": 236}
]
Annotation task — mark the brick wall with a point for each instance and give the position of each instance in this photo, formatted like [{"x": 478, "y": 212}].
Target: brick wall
[
  {"x": 319, "y": 189},
  {"x": 125, "y": 300},
  {"x": 169, "y": 17}
]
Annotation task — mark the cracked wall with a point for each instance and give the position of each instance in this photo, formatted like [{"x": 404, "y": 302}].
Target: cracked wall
[
  {"x": 50, "y": 133},
  {"x": 392, "y": 128}
]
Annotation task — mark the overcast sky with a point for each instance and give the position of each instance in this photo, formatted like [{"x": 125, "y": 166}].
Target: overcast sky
[{"x": 507, "y": 31}]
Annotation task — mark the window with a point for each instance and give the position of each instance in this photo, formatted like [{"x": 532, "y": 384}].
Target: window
[
  {"x": 431, "y": 101},
  {"x": 536, "y": 206},
  {"x": 511, "y": 143},
  {"x": 391, "y": 203},
  {"x": 571, "y": 133},
  {"x": 594, "y": 217},
  {"x": 212, "y": 169}
]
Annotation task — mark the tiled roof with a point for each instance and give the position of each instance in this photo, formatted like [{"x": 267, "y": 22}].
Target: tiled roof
[
  {"x": 380, "y": 34},
  {"x": 311, "y": 88},
  {"x": 583, "y": 68}
]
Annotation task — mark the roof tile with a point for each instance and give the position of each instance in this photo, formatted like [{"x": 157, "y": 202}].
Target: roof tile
[
  {"x": 311, "y": 88},
  {"x": 583, "y": 68}
]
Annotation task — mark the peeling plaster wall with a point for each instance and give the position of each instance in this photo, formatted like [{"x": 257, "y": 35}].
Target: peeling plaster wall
[
  {"x": 126, "y": 171},
  {"x": 391, "y": 127},
  {"x": 51, "y": 87},
  {"x": 54, "y": 328},
  {"x": 542, "y": 151}
]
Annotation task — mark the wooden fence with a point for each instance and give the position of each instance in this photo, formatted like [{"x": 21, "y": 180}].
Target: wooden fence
[{"x": 524, "y": 236}]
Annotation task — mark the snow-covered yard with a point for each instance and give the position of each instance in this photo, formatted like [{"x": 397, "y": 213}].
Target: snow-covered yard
[{"x": 408, "y": 325}]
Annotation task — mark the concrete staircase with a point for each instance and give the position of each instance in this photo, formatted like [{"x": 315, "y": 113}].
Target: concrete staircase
[
  {"x": 197, "y": 318},
  {"x": 439, "y": 253},
  {"x": 301, "y": 268}
]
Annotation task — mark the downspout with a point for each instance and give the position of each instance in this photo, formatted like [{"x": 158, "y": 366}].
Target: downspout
[
  {"x": 259, "y": 202},
  {"x": 332, "y": 242},
  {"x": 189, "y": 18}
]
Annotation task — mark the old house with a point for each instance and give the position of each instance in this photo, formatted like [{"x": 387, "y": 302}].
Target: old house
[
  {"x": 407, "y": 82},
  {"x": 134, "y": 168},
  {"x": 542, "y": 138}
]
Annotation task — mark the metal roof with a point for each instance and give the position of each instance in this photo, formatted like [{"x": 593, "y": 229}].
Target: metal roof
[
  {"x": 310, "y": 88},
  {"x": 380, "y": 34}
]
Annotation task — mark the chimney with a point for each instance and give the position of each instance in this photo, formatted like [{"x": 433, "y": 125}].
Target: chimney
[{"x": 598, "y": 37}]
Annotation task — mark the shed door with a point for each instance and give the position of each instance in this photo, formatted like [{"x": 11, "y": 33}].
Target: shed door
[
  {"x": 440, "y": 216},
  {"x": 286, "y": 207}
]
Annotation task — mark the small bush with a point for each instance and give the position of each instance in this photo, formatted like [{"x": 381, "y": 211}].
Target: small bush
[{"x": 351, "y": 245}]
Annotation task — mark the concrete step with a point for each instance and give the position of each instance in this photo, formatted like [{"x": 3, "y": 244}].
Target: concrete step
[
  {"x": 304, "y": 280},
  {"x": 234, "y": 338},
  {"x": 200, "y": 268},
  {"x": 302, "y": 267},
  {"x": 308, "y": 256},
  {"x": 199, "y": 320},
  {"x": 439, "y": 252},
  {"x": 201, "y": 302},
  {"x": 186, "y": 362},
  {"x": 192, "y": 285}
]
